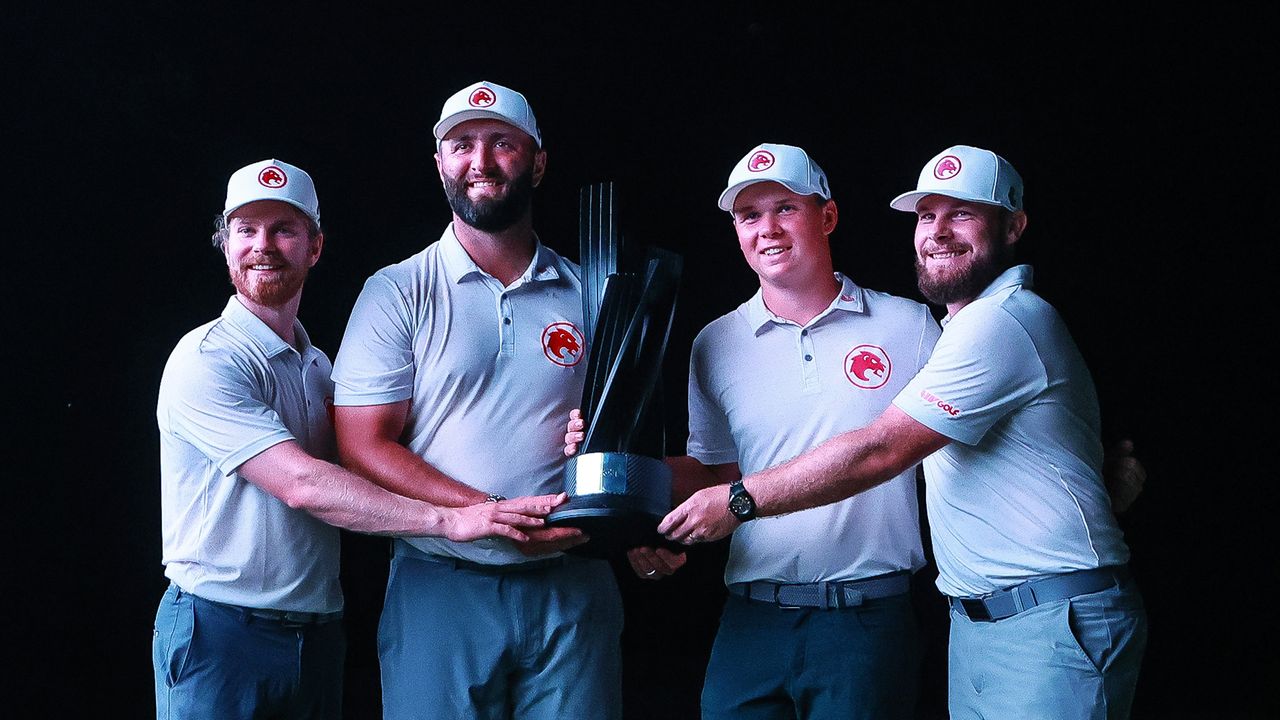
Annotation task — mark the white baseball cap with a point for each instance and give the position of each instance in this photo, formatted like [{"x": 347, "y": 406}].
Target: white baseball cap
[
  {"x": 488, "y": 100},
  {"x": 785, "y": 164},
  {"x": 272, "y": 180},
  {"x": 966, "y": 173}
]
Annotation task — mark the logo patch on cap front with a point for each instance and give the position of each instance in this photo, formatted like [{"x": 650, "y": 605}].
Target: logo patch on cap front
[
  {"x": 272, "y": 177},
  {"x": 867, "y": 367},
  {"x": 947, "y": 167},
  {"x": 562, "y": 343},
  {"x": 482, "y": 97},
  {"x": 761, "y": 161}
]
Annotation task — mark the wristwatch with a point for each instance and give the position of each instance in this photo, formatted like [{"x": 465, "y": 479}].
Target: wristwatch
[
  {"x": 741, "y": 504},
  {"x": 494, "y": 497}
]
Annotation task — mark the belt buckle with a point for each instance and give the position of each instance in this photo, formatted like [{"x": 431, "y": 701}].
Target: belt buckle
[
  {"x": 292, "y": 619},
  {"x": 777, "y": 598},
  {"x": 976, "y": 609}
]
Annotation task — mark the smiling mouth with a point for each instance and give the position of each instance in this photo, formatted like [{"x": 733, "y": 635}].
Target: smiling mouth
[
  {"x": 946, "y": 254},
  {"x": 769, "y": 252}
]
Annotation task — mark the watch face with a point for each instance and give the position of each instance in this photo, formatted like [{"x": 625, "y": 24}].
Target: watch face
[{"x": 740, "y": 505}]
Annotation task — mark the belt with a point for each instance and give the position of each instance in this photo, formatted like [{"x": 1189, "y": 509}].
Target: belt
[
  {"x": 1011, "y": 601},
  {"x": 284, "y": 618},
  {"x": 824, "y": 595},
  {"x": 500, "y": 569},
  {"x": 292, "y": 618}
]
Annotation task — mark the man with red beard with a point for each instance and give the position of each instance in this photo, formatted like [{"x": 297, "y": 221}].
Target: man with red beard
[
  {"x": 250, "y": 509},
  {"x": 1046, "y": 620},
  {"x": 451, "y": 381}
]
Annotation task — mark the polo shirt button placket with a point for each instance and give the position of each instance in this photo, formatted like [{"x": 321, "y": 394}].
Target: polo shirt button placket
[{"x": 808, "y": 364}]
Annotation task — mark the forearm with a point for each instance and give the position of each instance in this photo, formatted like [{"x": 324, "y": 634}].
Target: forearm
[
  {"x": 689, "y": 475},
  {"x": 845, "y": 465},
  {"x": 346, "y": 500},
  {"x": 398, "y": 469}
]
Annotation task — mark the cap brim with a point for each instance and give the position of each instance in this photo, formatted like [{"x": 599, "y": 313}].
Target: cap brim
[
  {"x": 307, "y": 213},
  {"x": 731, "y": 193},
  {"x": 906, "y": 202},
  {"x": 443, "y": 127}
]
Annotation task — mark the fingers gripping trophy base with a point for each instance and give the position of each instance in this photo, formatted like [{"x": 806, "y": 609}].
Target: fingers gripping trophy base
[{"x": 617, "y": 499}]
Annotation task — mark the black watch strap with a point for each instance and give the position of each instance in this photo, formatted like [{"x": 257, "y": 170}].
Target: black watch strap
[{"x": 741, "y": 504}]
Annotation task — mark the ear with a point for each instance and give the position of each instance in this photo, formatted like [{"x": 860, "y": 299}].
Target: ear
[
  {"x": 1015, "y": 225},
  {"x": 317, "y": 244},
  {"x": 539, "y": 166},
  {"x": 439, "y": 167},
  {"x": 830, "y": 216}
]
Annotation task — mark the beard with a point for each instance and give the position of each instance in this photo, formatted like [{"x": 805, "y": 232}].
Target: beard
[
  {"x": 268, "y": 292},
  {"x": 966, "y": 283},
  {"x": 492, "y": 215}
]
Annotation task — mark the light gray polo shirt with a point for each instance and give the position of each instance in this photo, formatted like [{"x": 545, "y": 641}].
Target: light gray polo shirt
[
  {"x": 1018, "y": 495},
  {"x": 231, "y": 389},
  {"x": 492, "y": 371},
  {"x": 763, "y": 390}
]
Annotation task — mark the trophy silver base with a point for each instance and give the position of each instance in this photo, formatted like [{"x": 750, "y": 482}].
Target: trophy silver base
[{"x": 617, "y": 499}]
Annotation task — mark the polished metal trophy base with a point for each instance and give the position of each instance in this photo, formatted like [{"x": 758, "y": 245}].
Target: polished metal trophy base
[{"x": 617, "y": 499}]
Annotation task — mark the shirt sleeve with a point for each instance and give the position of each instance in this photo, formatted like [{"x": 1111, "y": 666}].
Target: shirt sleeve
[
  {"x": 710, "y": 438},
  {"x": 216, "y": 405},
  {"x": 375, "y": 364},
  {"x": 984, "y": 367}
]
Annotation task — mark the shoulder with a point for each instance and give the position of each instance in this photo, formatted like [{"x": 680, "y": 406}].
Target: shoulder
[
  {"x": 726, "y": 328},
  {"x": 886, "y": 302},
  {"x": 213, "y": 354}
]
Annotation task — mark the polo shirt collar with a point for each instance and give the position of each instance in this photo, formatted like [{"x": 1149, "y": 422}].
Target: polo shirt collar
[
  {"x": 459, "y": 265},
  {"x": 257, "y": 331},
  {"x": 1016, "y": 276},
  {"x": 850, "y": 299}
]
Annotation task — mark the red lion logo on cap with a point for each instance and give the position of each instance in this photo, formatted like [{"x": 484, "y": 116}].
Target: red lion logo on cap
[
  {"x": 947, "y": 168},
  {"x": 482, "y": 97},
  {"x": 562, "y": 344},
  {"x": 762, "y": 160},
  {"x": 867, "y": 367},
  {"x": 272, "y": 177}
]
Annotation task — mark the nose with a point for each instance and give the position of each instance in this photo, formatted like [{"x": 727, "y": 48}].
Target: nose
[
  {"x": 941, "y": 230},
  {"x": 482, "y": 158},
  {"x": 769, "y": 226},
  {"x": 264, "y": 241}
]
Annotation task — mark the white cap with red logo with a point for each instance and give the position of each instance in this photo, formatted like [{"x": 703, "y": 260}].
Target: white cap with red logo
[
  {"x": 272, "y": 180},
  {"x": 966, "y": 173},
  {"x": 488, "y": 100},
  {"x": 785, "y": 164}
]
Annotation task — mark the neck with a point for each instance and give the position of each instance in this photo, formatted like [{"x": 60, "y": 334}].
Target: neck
[
  {"x": 802, "y": 303},
  {"x": 505, "y": 254},
  {"x": 279, "y": 319}
]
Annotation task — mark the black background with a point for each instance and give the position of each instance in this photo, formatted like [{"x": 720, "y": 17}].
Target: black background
[{"x": 1144, "y": 135}]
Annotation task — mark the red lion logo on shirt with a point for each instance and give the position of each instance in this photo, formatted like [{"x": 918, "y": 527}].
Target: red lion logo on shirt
[
  {"x": 867, "y": 366},
  {"x": 562, "y": 344},
  {"x": 865, "y": 363}
]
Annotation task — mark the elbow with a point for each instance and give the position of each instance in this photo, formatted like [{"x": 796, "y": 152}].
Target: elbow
[{"x": 301, "y": 492}]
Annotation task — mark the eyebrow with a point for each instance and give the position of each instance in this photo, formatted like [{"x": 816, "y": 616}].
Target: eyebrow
[{"x": 472, "y": 137}]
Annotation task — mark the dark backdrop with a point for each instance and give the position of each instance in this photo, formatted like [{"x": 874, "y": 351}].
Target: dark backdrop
[{"x": 1141, "y": 134}]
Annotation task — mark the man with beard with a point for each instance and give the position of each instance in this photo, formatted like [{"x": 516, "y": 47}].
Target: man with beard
[
  {"x": 455, "y": 370},
  {"x": 1046, "y": 620},
  {"x": 250, "y": 511}
]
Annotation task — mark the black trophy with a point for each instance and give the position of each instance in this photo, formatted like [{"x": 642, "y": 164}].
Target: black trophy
[{"x": 619, "y": 487}]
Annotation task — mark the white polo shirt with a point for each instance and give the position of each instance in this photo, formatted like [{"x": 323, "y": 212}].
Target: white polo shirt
[
  {"x": 492, "y": 371},
  {"x": 231, "y": 389},
  {"x": 1018, "y": 495},
  {"x": 763, "y": 390}
]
